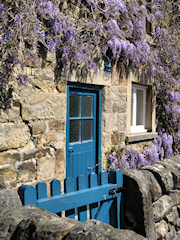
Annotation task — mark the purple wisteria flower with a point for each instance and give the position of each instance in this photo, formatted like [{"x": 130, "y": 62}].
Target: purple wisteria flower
[{"x": 81, "y": 36}]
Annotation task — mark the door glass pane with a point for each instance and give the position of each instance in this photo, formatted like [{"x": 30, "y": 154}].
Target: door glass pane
[
  {"x": 75, "y": 106},
  {"x": 75, "y": 131},
  {"x": 87, "y": 106},
  {"x": 87, "y": 133},
  {"x": 139, "y": 115}
]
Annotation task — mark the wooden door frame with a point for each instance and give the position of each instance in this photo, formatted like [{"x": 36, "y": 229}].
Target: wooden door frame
[{"x": 97, "y": 90}]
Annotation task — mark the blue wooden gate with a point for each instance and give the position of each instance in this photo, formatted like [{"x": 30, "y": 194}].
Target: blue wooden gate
[{"x": 98, "y": 201}]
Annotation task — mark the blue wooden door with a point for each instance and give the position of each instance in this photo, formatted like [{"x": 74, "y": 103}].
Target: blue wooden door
[{"x": 81, "y": 134}]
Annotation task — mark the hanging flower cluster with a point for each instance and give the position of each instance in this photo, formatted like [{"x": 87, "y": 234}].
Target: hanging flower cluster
[
  {"x": 82, "y": 32},
  {"x": 128, "y": 157}
]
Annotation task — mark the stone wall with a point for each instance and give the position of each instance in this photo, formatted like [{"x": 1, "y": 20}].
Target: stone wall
[
  {"x": 151, "y": 209},
  {"x": 152, "y": 199},
  {"x": 32, "y": 130}
]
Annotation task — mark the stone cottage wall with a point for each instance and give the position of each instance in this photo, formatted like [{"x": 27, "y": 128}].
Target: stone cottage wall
[
  {"x": 32, "y": 130},
  {"x": 33, "y": 122}
]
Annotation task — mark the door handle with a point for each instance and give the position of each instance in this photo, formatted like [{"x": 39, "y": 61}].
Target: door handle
[{"x": 70, "y": 151}]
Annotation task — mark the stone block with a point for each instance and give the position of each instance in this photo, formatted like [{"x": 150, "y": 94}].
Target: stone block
[
  {"x": 43, "y": 106},
  {"x": 44, "y": 74},
  {"x": 163, "y": 176},
  {"x": 138, "y": 203},
  {"x": 56, "y": 124},
  {"x": 120, "y": 121},
  {"x": 122, "y": 89},
  {"x": 61, "y": 87},
  {"x": 178, "y": 223},
  {"x": 121, "y": 234},
  {"x": 10, "y": 115},
  {"x": 117, "y": 138},
  {"x": 119, "y": 107},
  {"x": 9, "y": 200},
  {"x": 155, "y": 189},
  {"x": 13, "y": 184},
  {"x": 93, "y": 229},
  {"x": 52, "y": 139},
  {"x": 38, "y": 153},
  {"x": 175, "y": 196},
  {"x": 162, "y": 229},
  {"x": 177, "y": 235},
  {"x": 175, "y": 172},
  {"x": 43, "y": 86},
  {"x": 8, "y": 173},
  {"x": 26, "y": 171},
  {"x": 27, "y": 149},
  {"x": 174, "y": 161},
  {"x": 9, "y": 157},
  {"x": 173, "y": 216},
  {"x": 162, "y": 207},
  {"x": 106, "y": 142},
  {"x": 2, "y": 183},
  {"x": 38, "y": 127},
  {"x": 139, "y": 137},
  {"x": 45, "y": 167},
  {"x": 60, "y": 161},
  {"x": 13, "y": 135},
  {"x": 172, "y": 232},
  {"x": 115, "y": 93},
  {"x": 107, "y": 100},
  {"x": 108, "y": 122},
  {"x": 36, "y": 223}
]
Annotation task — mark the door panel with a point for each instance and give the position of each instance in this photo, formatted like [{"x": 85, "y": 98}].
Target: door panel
[{"x": 81, "y": 141}]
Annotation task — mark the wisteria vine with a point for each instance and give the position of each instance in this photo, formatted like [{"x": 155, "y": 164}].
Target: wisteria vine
[
  {"x": 125, "y": 157},
  {"x": 80, "y": 32}
]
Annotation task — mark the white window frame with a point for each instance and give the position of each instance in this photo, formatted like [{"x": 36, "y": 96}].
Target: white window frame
[{"x": 134, "y": 127}]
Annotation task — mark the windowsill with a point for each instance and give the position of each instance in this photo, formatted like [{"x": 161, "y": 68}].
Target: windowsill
[{"x": 136, "y": 137}]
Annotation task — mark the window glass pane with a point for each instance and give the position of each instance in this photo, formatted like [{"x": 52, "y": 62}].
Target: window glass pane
[
  {"x": 87, "y": 106},
  {"x": 87, "y": 130},
  {"x": 75, "y": 106},
  {"x": 75, "y": 131},
  {"x": 139, "y": 112}
]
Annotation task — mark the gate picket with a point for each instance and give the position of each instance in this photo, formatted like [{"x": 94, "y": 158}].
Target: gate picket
[
  {"x": 94, "y": 206},
  {"x": 55, "y": 187},
  {"x": 70, "y": 186},
  {"x": 41, "y": 190},
  {"x": 100, "y": 201},
  {"x": 82, "y": 211}
]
